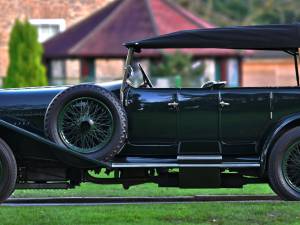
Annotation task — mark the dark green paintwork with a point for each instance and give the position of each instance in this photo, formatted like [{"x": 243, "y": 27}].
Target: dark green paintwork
[
  {"x": 198, "y": 121},
  {"x": 199, "y": 125},
  {"x": 150, "y": 118},
  {"x": 27, "y": 145},
  {"x": 202, "y": 125},
  {"x": 22, "y": 126},
  {"x": 245, "y": 120}
]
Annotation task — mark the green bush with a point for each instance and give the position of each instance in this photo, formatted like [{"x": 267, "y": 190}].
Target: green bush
[
  {"x": 25, "y": 58},
  {"x": 180, "y": 66}
]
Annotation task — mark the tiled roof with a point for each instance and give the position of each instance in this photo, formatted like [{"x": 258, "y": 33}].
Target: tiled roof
[{"x": 102, "y": 34}]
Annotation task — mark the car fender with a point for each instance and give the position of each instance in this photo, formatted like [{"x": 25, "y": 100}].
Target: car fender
[
  {"x": 287, "y": 122},
  {"x": 34, "y": 142}
]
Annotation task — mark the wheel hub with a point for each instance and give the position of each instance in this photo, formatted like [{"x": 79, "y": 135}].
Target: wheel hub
[{"x": 86, "y": 125}]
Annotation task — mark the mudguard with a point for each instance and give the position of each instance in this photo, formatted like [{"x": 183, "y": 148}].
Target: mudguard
[
  {"x": 272, "y": 137},
  {"x": 28, "y": 143}
]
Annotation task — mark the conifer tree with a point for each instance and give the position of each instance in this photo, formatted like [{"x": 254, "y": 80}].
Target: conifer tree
[{"x": 25, "y": 58}]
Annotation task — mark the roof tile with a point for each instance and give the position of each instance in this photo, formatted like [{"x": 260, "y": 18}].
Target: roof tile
[{"x": 102, "y": 34}]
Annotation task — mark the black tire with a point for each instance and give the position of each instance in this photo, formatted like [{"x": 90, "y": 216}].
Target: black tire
[
  {"x": 273, "y": 189},
  {"x": 8, "y": 174},
  {"x": 278, "y": 180},
  {"x": 117, "y": 136}
]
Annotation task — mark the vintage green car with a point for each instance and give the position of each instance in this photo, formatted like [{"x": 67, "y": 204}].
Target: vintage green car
[{"x": 211, "y": 136}]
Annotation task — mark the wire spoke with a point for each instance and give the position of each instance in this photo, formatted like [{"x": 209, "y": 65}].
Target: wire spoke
[
  {"x": 291, "y": 166},
  {"x": 85, "y": 124}
]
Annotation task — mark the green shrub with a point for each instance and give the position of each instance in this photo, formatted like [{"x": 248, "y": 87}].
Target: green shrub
[
  {"x": 25, "y": 58},
  {"x": 181, "y": 67}
]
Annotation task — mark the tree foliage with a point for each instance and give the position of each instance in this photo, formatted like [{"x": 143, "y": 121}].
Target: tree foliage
[
  {"x": 176, "y": 64},
  {"x": 246, "y": 12},
  {"x": 25, "y": 54},
  {"x": 181, "y": 67}
]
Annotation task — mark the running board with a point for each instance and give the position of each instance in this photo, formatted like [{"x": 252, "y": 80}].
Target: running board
[
  {"x": 186, "y": 161},
  {"x": 185, "y": 165},
  {"x": 199, "y": 159}
]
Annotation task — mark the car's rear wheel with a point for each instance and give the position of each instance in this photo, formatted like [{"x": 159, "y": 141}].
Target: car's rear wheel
[
  {"x": 284, "y": 165},
  {"x": 8, "y": 171},
  {"x": 87, "y": 119}
]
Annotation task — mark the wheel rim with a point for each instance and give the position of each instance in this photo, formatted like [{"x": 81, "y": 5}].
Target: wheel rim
[
  {"x": 291, "y": 166},
  {"x": 85, "y": 125}
]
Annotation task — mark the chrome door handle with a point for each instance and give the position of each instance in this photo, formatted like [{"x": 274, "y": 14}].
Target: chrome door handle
[
  {"x": 222, "y": 103},
  {"x": 173, "y": 104}
]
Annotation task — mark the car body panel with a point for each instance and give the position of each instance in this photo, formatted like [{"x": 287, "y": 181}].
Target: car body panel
[
  {"x": 286, "y": 101},
  {"x": 244, "y": 120},
  {"x": 151, "y": 120},
  {"x": 26, "y": 107},
  {"x": 285, "y": 109},
  {"x": 198, "y": 123},
  {"x": 22, "y": 112},
  {"x": 198, "y": 126},
  {"x": 206, "y": 128},
  {"x": 31, "y": 146},
  {"x": 152, "y": 123}
]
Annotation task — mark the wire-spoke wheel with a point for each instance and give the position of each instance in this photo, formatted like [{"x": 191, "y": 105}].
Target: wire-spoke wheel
[
  {"x": 87, "y": 119},
  {"x": 85, "y": 124},
  {"x": 284, "y": 165},
  {"x": 291, "y": 166}
]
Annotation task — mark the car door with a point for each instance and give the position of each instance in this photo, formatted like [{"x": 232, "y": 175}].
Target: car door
[
  {"x": 152, "y": 120},
  {"x": 244, "y": 116},
  {"x": 198, "y": 121}
]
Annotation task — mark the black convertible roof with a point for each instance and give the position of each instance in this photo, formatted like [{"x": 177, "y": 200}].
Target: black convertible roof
[{"x": 261, "y": 37}]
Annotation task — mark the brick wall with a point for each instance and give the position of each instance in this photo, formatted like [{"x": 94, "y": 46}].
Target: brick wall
[{"x": 70, "y": 10}]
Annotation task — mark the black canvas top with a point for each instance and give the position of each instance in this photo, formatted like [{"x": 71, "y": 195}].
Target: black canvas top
[{"x": 262, "y": 37}]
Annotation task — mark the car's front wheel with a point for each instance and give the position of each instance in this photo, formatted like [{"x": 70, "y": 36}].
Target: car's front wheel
[{"x": 284, "y": 165}]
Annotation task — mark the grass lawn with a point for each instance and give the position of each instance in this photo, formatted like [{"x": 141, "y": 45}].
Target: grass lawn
[
  {"x": 193, "y": 213},
  {"x": 196, "y": 213},
  {"x": 94, "y": 190}
]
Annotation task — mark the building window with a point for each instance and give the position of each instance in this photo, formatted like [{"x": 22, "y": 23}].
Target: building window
[
  {"x": 47, "y": 28},
  {"x": 58, "y": 72}
]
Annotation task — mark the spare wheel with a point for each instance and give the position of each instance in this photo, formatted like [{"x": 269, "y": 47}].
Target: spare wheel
[{"x": 87, "y": 119}]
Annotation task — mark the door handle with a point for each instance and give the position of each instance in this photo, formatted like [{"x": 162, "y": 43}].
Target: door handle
[
  {"x": 222, "y": 103},
  {"x": 173, "y": 104}
]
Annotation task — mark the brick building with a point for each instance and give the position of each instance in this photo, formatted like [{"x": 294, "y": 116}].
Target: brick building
[
  {"x": 268, "y": 68},
  {"x": 54, "y": 16},
  {"x": 94, "y": 45},
  {"x": 50, "y": 16}
]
